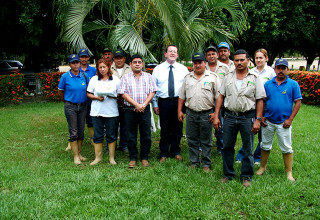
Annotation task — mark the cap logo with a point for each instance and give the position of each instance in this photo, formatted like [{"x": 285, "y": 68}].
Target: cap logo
[
  {"x": 118, "y": 51},
  {"x": 73, "y": 56},
  {"x": 197, "y": 55},
  {"x": 83, "y": 50}
]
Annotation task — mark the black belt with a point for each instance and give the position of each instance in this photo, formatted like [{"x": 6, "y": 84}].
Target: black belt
[
  {"x": 169, "y": 98},
  {"x": 240, "y": 113},
  {"x": 199, "y": 112},
  {"x": 77, "y": 104}
]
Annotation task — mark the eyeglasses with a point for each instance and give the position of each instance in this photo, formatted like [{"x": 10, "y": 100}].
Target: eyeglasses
[
  {"x": 136, "y": 62},
  {"x": 172, "y": 51}
]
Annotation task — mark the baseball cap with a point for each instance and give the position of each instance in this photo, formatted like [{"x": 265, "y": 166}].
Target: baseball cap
[
  {"x": 211, "y": 48},
  {"x": 73, "y": 57},
  {"x": 282, "y": 62},
  {"x": 224, "y": 44},
  {"x": 84, "y": 52},
  {"x": 198, "y": 56},
  {"x": 118, "y": 53},
  {"x": 107, "y": 49}
]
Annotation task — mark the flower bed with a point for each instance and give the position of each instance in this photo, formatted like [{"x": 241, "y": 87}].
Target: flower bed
[
  {"x": 309, "y": 84},
  {"x": 12, "y": 89},
  {"x": 49, "y": 83}
]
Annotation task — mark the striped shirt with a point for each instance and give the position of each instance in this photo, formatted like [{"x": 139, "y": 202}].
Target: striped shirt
[{"x": 137, "y": 89}]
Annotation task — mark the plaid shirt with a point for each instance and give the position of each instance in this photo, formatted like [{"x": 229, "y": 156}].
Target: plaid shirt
[{"x": 137, "y": 89}]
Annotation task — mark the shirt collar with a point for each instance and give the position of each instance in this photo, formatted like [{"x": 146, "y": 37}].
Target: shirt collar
[
  {"x": 285, "y": 81},
  {"x": 72, "y": 75}
]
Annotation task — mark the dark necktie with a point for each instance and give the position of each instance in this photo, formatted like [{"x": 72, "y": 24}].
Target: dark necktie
[{"x": 171, "y": 83}]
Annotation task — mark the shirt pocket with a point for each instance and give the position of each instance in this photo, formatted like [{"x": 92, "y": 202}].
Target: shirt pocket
[
  {"x": 229, "y": 89},
  {"x": 250, "y": 89},
  {"x": 190, "y": 90}
]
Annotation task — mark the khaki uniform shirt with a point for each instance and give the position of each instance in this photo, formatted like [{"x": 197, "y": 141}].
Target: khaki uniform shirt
[
  {"x": 231, "y": 66},
  {"x": 221, "y": 70},
  {"x": 199, "y": 94},
  {"x": 126, "y": 69},
  {"x": 252, "y": 88}
]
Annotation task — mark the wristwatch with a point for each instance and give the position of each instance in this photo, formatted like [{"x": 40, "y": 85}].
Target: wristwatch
[
  {"x": 144, "y": 105},
  {"x": 259, "y": 118}
]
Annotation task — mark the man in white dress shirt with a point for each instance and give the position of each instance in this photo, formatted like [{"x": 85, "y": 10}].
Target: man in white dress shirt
[{"x": 169, "y": 78}]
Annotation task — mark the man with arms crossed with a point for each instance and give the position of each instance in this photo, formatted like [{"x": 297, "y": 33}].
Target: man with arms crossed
[
  {"x": 169, "y": 78},
  {"x": 281, "y": 92},
  {"x": 242, "y": 93}
]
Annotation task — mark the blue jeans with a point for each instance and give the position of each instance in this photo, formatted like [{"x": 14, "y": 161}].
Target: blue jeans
[
  {"x": 76, "y": 115},
  {"x": 232, "y": 125},
  {"x": 199, "y": 135},
  {"x": 143, "y": 121},
  {"x": 171, "y": 127},
  {"x": 219, "y": 135},
  {"x": 88, "y": 117},
  {"x": 123, "y": 144},
  {"x": 104, "y": 126},
  {"x": 257, "y": 152}
]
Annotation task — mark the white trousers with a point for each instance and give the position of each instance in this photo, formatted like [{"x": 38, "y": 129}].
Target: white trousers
[{"x": 284, "y": 137}]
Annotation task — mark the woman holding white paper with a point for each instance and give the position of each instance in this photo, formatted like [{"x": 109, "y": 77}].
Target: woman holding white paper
[{"x": 102, "y": 89}]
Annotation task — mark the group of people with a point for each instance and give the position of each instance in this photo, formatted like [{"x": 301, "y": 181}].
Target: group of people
[{"x": 218, "y": 94}]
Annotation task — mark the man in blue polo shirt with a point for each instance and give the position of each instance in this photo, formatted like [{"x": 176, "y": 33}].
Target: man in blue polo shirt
[{"x": 281, "y": 92}]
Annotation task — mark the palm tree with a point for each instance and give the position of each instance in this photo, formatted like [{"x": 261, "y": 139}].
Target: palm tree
[{"x": 147, "y": 26}]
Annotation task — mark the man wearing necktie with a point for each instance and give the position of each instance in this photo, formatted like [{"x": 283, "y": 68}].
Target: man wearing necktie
[{"x": 169, "y": 78}]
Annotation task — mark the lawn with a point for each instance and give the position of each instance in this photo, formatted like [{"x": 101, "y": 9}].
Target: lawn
[{"x": 39, "y": 180}]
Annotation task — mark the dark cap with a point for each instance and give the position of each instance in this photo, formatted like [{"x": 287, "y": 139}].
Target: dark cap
[
  {"x": 281, "y": 62},
  {"x": 211, "y": 48},
  {"x": 118, "y": 53},
  {"x": 84, "y": 52},
  {"x": 198, "y": 56},
  {"x": 73, "y": 57},
  {"x": 136, "y": 56},
  {"x": 224, "y": 44},
  {"x": 107, "y": 49}
]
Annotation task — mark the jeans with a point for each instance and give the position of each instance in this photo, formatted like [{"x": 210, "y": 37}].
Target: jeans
[
  {"x": 76, "y": 115},
  {"x": 104, "y": 126},
  {"x": 199, "y": 135},
  {"x": 88, "y": 117},
  {"x": 232, "y": 125},
  {"x": 219, "y": 135},
  {"x": 257, "y": 152},
  {"x": 171, "y": 127},
  {"x": 143, "y": 121},
  {"x": 123, "y": 130}
]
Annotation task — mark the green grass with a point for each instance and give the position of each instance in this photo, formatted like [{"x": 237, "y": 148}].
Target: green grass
[{"x": 39, "y": 180}]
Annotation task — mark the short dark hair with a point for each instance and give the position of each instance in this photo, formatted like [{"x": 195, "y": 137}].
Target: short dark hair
[
  {"x": 172, "y": 45},
  {"x": 136, "y": 56},
  {"x": 241, "y": 51}
]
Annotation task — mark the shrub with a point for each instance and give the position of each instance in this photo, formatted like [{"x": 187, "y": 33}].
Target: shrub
[
  {"x": 309, "y": 84},
  {"x": 49, "y": 83},
  {"x": 12, "y": 89}
]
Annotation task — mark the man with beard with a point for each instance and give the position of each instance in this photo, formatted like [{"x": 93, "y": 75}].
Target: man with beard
[
  {"x": 242, "y": 93},
  {"x": 278, "y": 117}
]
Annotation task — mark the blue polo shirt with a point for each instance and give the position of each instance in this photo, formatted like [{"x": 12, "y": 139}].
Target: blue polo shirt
[
  {"x": 280, "y": 98},
  {"x": 74, "y": 87},
  {"x": 90, "y": 71}
]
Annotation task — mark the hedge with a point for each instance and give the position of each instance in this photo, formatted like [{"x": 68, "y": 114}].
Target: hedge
[{"x": 12, "y": 90}]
